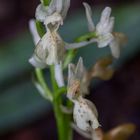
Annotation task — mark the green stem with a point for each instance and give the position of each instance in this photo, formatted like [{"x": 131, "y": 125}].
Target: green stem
[
  {"x": 86, "y": 37},
  {"x": 41, "y": 80},
  {"x": 53, "y": 81},
  {"x": 60, "y": 91},
  {"x": 69, "y": 57},
  {"x": 62, "y": 121}
]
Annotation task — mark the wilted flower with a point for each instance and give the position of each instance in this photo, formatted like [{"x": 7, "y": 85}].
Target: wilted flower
[
  {"x": 102, "y": 69},
  {"x": 121, "y": 132},
  {"x": 104, "y": 30}
]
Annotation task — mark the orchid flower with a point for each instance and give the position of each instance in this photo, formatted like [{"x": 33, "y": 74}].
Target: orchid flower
[
  {"x": 85, "y": 113},
  {"x": 55, "y": 6},
  {"x": 46, "y": 51},
  {"x": 104, "y": 30}
]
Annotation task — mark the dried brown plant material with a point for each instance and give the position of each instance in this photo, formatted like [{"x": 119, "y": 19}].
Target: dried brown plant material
[
  {"x": 122, "y": 132},
  {"x": 102, "y": 69}
]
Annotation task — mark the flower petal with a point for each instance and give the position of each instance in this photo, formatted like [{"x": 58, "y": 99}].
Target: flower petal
[
  {"x": 33, "y": 30},
  {"x": 92, "y": 107},
  {"x": 71, "y": 75},
  {"x": 36, "y": 62},
  {"x": 41, "y": 13},
  {"x": 66, "y": 5},
  {"x": 41, "y": 50},
  {"x": 91, "y": 25},
  {"x": 104, "y": 40},
  {"x": 59, "y": 75},
  {"x": 52, "y": 7},
  {"x": 59, "y": 5},
  {"x": 55, "y": 19},
  {"x": 81, "y": 132},
  {"x": 105, "y": 15},
  {"x": 115, "y": 48},
  {"x": 80, "y": 69},
  {"x": 104, "y": 23},
  {"x": 110, "y": 26}
]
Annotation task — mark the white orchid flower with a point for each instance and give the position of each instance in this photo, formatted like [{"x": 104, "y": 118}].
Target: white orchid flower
[
  {"x": 55, "y": 6},
  {"x": 50, "y": 48},
  {"x": 46, "y": 51},
  {"x": 104, "y": 30},
  {"x": 84, "y": 113}
]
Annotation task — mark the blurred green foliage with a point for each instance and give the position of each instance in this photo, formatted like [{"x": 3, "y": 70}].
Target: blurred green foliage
[{"x": 19, "y": 101}]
